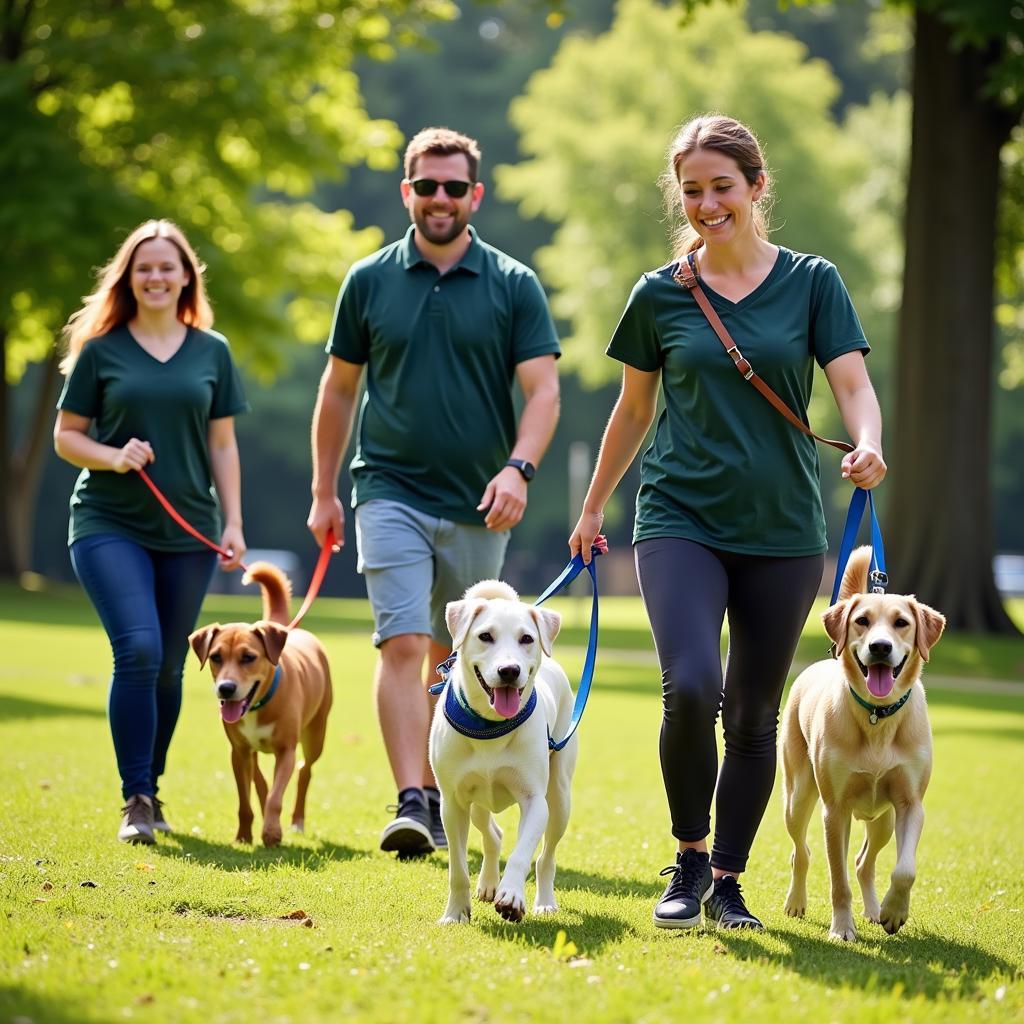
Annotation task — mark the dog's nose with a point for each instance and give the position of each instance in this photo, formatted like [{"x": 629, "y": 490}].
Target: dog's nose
[
  {"x": 880, "y": 648},
  {"x": 508, "y": 674},
  {"x": 226, "y": 690}
]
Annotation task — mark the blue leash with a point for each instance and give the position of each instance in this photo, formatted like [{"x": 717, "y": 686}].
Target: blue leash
[
  {"x": 877, "y": 578},
  {"x": 565, "y": 577}
]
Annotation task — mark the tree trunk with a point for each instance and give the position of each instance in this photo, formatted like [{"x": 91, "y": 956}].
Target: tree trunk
[
  {"x": 940, "y": 520},
  {"x": 26, "y": 464},
  {"x": 8, "y": 567}
]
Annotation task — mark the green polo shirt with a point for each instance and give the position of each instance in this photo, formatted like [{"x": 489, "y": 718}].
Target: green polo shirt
[
  {"x": 437, "y": 420},
  {"x": 725, "y": 469},
  {"x": 127, "y": 393}
]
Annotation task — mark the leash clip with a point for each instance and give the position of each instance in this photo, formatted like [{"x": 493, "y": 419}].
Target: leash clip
[{"x": 878, "y": 580}]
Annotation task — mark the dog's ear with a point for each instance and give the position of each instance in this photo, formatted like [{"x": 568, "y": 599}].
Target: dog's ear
[
  {"x": 459, "y": 616},
  {"x": 835, "y": 620},
  {"x": 548, "y": 625},
  {"x": 202, "y": 640},
  {"x": 930, "y": 625},
  {"x": 273, "y": 636}
]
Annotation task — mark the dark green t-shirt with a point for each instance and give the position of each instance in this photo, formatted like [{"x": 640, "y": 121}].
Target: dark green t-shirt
[
  {"x": 437, "y": 419},
  {"x": 725, "y": 469},
  {"x": 127, "y": 393}
]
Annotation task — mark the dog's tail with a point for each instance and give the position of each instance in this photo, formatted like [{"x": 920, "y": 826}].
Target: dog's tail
[
  {"x": 855, "y": 578},
  {"x": 492, "y": 589},
  {"x": 276, "y": 587}
]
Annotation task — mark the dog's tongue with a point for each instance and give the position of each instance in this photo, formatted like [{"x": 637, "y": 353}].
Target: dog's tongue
[
  {"x": 880, "y": 680},
  {"x": 506, "y": 701},
  {"x": 231, "y": 710}
]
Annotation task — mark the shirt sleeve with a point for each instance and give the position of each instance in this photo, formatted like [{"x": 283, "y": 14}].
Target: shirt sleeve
[
  {"x": 635, "y": 340},
  {"x": 228, "y": 393},
  {"x": 835, "y": 326},
  {"x": 349, "y": 338},
  {"x": 533, "y": 330},
  {"x": 82, "y": 394}
]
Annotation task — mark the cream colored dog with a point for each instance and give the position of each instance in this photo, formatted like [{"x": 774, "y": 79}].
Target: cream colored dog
[
  {"x": 503, "y": 657},
  {"x": 855, "y": 731}
]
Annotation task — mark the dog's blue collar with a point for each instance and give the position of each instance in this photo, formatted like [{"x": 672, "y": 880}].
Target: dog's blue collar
[
  {"x": 263, "y": 701},
  {"x": 463, "y": 719},
  {"x": 877, "y": 711}
]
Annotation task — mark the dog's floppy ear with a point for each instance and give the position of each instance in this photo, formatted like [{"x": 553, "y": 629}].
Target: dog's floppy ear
[
  {"x": 835, "y": 620},
  {"x": 459, "y": 616},
  {"x": 548, "y": 625},
  {"x": 930, "y": 625},
  {"x": 202, "y": 640},
  {"x": 273, "y": 636}
]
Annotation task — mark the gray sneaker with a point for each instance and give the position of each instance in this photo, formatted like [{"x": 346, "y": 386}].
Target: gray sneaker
[
  {"x": 436, "y": 824},
  {"x": 137, "y": 823},
  {"x": 408, "y": 834},
  {"x": 160, "y": 823}
]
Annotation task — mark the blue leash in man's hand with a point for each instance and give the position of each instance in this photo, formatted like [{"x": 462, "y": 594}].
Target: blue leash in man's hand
[
  {"x": 877, "y": 578},
  {"x": 565, "y": 577}
]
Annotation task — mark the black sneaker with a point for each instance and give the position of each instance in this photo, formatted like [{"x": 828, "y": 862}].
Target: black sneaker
[
  {"x": 689, "y": 886},
  {"x": 137, "y": 823},
  {"x": 409, "y": 834},
  {"x": 160, "y": 823},
  {"x": 436, "y": 824},
  {"x": 726, "y": 909}
]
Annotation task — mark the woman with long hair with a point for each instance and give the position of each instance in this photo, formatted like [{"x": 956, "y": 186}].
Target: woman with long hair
[
  {"x": 729, "y": 518},
  {"x": 149, "y": 385}
]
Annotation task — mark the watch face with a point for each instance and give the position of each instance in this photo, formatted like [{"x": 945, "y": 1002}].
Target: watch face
[{"x": 526, "y": 468}]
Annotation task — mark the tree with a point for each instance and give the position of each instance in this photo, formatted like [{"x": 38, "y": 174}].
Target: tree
[{"x": 220, "y": 114}]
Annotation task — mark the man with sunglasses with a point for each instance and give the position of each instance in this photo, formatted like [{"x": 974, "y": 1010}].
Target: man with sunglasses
[{"x": 445, "y": 325}]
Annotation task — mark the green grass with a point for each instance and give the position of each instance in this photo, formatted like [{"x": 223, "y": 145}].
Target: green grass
[{"x": 196, "y": 930}]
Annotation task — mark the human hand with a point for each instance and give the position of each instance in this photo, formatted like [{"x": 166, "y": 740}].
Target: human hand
[
  {"x": 505, "y": 499},
  {"x": 327, "y": 514},
  {"x": 134, "y": 455},
  {"x": 586, "y": 535},
  {"x": 232, "y": 540},
  {"x": 864, "y": 466}
]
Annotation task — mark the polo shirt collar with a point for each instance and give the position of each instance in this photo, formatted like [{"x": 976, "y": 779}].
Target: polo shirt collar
[{"x": 472, "y": 260}]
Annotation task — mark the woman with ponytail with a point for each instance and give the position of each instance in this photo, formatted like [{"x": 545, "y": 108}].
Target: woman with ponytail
[
  {"x": 729, "y": 519},
  {"x": 149, "y": 385}
]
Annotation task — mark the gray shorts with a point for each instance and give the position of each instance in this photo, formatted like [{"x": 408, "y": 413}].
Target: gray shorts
[{"x": 414, "y": 564}]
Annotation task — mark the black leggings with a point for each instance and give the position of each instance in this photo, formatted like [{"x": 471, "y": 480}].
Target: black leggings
[{"x": 688, "y": 589}]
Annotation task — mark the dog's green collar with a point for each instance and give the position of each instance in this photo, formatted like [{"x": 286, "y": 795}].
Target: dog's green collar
[
  {"x": 263, "y": 701},
  {"x": 877, "y": 711}
]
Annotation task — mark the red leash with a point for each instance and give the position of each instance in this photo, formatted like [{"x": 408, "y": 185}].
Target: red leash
[{"x": 318, "y": 573}]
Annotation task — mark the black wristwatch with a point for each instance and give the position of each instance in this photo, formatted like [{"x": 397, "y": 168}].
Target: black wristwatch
[{"x": 528, "y": 469}]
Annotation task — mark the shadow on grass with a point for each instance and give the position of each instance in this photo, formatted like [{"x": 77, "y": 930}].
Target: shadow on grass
[
  {"x": 25, "y": 707},
  {"x": 923, "y": 964},
  {"x": 590, "y": 932},
  {"x": 316, "y": 855},
  {"x": 19, "y": 1005}
]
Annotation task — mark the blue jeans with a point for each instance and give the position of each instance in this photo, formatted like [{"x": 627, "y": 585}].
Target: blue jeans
[{"x": 148, "y": 602}]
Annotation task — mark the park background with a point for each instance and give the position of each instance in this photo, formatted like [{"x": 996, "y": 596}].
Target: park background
[{"x": 272, "y": 132}]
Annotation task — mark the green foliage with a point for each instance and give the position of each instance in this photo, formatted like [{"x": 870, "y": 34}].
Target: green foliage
[
  {"x": 198, "y": 930},
  {"x": 595, "y": 126},
  {"x": 220, "y": 114}
]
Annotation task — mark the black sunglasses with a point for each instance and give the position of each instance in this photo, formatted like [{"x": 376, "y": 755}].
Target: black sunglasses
[{"x": 428, "y": 186}]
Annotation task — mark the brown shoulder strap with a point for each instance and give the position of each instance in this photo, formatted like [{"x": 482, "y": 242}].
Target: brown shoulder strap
[{"x": 685, "y": 276}]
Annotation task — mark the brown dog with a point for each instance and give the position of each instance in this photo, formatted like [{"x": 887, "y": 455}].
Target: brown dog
[
  {"x": 855, "y": 731},
  {"x": 274, "y": 686}
]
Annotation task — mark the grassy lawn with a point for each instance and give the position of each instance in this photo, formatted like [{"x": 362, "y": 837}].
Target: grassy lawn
[{"x": 197, "y": 929}]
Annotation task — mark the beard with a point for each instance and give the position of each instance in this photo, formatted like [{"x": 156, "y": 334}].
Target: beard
[{"x": 441, "y": 237}]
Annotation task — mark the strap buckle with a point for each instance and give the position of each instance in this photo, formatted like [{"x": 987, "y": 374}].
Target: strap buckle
[
  {"x": 741, "y": 362},
  {"x": 878, "y": 581}
]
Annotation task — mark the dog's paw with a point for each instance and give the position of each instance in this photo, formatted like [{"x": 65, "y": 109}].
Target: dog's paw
[
  {"x": 796, "y": 904},
  {"x": 485, "y": 890},
  {"x": 244, "y": 837},
  {"x": 510, "y": 904},
  {"x": 299, "y": 826},
  {"x": 545, "y": 908},
  {"x": 872, "y": 912},
  {"x": 454, "y": 914},
  {"x": 272, "y": 835},
  {"x": 843, "y": 928},
  {"x": 894, "y": 912}
]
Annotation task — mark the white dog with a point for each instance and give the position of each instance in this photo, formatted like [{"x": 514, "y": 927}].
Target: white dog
[{"x": 503, "y": 683}]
